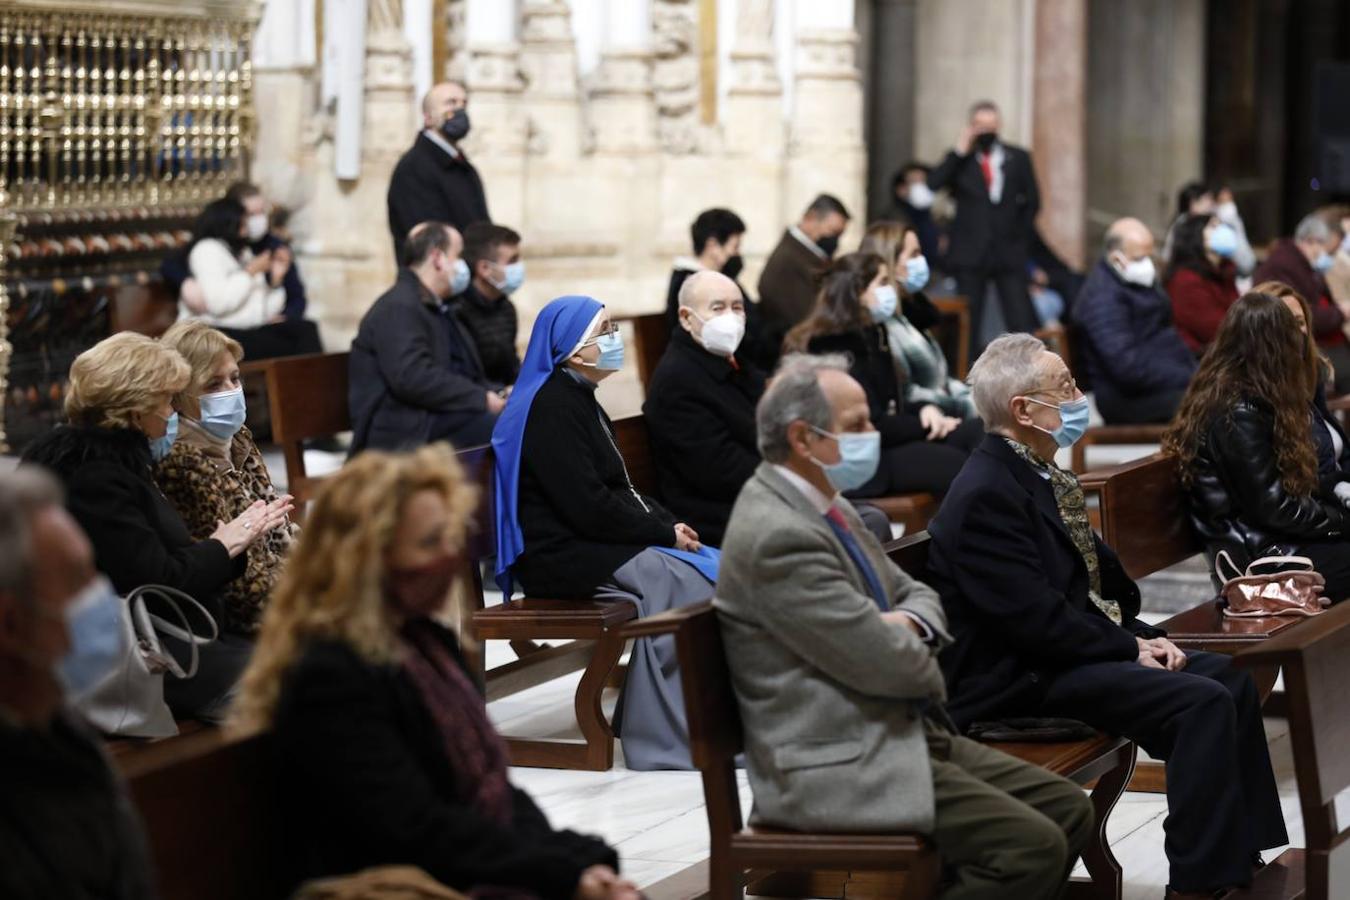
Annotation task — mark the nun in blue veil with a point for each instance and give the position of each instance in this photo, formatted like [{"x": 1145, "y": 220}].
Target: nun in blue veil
[{"x": 570, "y": 523}]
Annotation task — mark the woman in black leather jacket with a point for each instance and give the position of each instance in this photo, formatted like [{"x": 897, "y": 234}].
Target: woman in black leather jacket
[{"x": 1249, "y": 440}]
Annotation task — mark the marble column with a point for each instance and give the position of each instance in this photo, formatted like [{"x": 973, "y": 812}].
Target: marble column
[
  {"x": 345, "y": 252},
  {"x": 1059, "y": 125},
  {"x": 497, "y": 140},
  {"x": 622, "y": 115},
  {"x": 825, "y": 150}
]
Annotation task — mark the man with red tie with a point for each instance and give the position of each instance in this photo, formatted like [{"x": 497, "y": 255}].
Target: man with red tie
[{"x": 994, "y": 186}]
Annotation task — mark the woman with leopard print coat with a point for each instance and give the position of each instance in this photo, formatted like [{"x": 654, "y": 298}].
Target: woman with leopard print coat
[{"x": 214, "y": 471}]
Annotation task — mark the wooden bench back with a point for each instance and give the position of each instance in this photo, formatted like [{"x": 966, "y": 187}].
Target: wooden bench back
[
  {"x": 651, "y": 336},
  {"x": 307, "y": 399},
  {"x": 209, "y": 809},
  {"x": 1315, "y": 658},
  {"x": 1144, "y": 512}
]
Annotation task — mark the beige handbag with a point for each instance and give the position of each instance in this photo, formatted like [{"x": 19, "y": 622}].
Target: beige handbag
[{"x": 1295, "y": 590}]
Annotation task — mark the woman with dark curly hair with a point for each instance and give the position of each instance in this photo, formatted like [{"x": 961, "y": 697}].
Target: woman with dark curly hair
[{"x": 1264, "y": 467}]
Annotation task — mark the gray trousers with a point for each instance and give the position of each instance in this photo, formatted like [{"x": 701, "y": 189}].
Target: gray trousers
[{"x": 650, "y": 717}]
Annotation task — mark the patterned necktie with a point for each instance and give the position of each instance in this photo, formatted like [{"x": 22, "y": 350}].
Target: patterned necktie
[
  {"x": 987, "y": 167},
  {"x": 840, "y": 525}
]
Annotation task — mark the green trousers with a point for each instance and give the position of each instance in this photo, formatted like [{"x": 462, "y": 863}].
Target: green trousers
[{"x": 1005, "y": 828}]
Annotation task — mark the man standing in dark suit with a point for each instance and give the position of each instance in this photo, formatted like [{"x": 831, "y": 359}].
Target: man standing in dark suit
[
  {"x": 1045, "y": 622},
  {"x": 994, "y": 186},
  {"x": 415, "y": 376},
  {"x": 434, "y": 181}
]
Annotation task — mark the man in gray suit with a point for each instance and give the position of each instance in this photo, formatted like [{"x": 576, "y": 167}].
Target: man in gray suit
[{"x": 833, "y": 655}]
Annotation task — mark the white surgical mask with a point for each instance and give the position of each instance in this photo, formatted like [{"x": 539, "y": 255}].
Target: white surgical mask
[
  {"x": 256, "y": 226},
  {"x": 722, "y": 334},
  {"x": 97, "y": 641},
  {"x": 1227, "y": 212},
  {"x": 223, "y": 412},
  {"x": 920, "y": 195},
  {"x": 1138, "y": 271}
]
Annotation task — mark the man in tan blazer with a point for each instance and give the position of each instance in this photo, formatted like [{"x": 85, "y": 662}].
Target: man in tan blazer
[{"x": 833, "y": 655}]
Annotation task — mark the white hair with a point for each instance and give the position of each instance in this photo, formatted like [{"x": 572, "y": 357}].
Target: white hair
[
  {"x": 1312, "y": 228},
  {"x": 1007, "y": 368},
  {"x": 794, "y": 394}
]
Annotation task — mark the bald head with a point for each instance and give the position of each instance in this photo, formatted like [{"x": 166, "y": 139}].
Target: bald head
[
  {"x": 704, "y": 296},
  {"x": 442, "y": 101},
  {"x": 1129, "y": 236}
]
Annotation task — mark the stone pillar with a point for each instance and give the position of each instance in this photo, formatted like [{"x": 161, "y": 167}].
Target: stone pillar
[
  {"x": 496, "y": 143},
  {"x": 283, "y": 68},
  {"x": 754, "y": 134},
  {"x": 345, "y": 249},
  {"x": 622, "y": 117},
  {"x": 1059, "y": 125},
  {"x": 825, "y": 139}
]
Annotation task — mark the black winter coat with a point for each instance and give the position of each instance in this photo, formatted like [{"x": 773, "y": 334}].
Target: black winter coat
[
  {"x": 1237, "y": 500},
  {"x": 366, "y": 781},
  {"x": 138, "y": 536},
  {"x": 411, "y": 358},
  {"x": 429, "y": 184},
  {"x": 700, "y": 412},
  {"x": 578, "y": 514},
  {"x": 872, "y": 366},
  {"x": 1016, "y": 590}
]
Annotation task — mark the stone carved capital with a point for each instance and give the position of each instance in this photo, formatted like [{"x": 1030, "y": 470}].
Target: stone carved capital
[
  {"x": 495, "y": 68},
  {"x": 675, "y": 74},
  {"x": 828, "y": 54},
  {"x": 622, "y": 72}
]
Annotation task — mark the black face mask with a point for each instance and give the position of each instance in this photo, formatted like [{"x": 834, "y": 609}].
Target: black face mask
[
  {"x": 986, "y": 140},
  {"x": 732, "y": 267},
  {"x": 829, "y": 244},
  {"x": 457, "y": 126}
]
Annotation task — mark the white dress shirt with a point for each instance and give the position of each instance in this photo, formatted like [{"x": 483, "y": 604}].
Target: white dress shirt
[
  {"x": 439, "y": 140},
  {"x": 807, "y": 242},
  {"x": 996, "y": 158}
]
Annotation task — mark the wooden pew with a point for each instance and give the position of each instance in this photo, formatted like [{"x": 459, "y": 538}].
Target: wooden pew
[
  {"x": 1315, "y": 658},
  {"x": 841, "y": 861},
  {"x": 1113, "y": 435},
  {"x": 307, "y": 399},
  {"x": 1144, "y": 518},
  {"x": 651, "y": 336},
  {"x": 953, "y": 333},
  {"x": 208, "y": 804},
  {"x": 593, "y": 628}
]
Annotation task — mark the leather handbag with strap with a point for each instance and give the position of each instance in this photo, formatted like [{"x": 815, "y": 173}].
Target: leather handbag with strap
[
  {"x": 1291, "y": 587},
  {"x": 130, "y": 703}
]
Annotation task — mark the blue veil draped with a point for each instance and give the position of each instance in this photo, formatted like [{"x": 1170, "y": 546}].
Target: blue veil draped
[{"x": 559, "y": 328}]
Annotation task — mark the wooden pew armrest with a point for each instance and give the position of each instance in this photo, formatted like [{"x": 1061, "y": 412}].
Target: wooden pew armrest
[{"x": 667, "y": 622}]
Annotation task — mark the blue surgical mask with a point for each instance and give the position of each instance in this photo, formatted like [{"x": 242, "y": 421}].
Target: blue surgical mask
[
  {"x": 160, "y": 446},
  {"x": 513, "y": 277},
  {"x": 916, "y": 273},
  {"x": 859, "y": 456},
  {"x": 611, "y": 352},
  {"x": 223, "y": 413},
  {"x": 1324, "y": 262},
  {"x": 98, "y": 642},
  {"x": 1073, "y": 420},
  {"x": 460, "y": 279},
  {"x": 1222, "y": 240},
  {"x": 887, "y": 300}
]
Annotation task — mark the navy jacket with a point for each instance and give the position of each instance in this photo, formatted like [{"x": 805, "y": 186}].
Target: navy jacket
[
  {"x": 1016, "y": 590},
  {"x": 409, "y": 360},
  {"x": 1130, "y": 346}
]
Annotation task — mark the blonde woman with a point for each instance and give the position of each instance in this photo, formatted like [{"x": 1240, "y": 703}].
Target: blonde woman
[
  {"x": 386, "y": 751},
  {"x": 214, "y": 472},
  {"x": 122, "y": 420}
]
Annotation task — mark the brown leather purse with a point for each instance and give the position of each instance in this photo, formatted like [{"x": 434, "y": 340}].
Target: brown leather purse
[{"x": 1295, "y": 589}]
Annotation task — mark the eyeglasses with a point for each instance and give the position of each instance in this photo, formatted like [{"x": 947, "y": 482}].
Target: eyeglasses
[
  {"x": 1071, "y": 389},
  {"x": 609, "y": 332}
]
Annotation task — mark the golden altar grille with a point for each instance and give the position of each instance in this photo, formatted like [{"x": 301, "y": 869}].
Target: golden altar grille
[{"x": 118, "y": 121}]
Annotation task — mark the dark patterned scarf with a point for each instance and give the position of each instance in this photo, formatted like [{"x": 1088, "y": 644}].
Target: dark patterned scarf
[
  {"x": 477, "y": 754},
  {"x": 1072, "y": 505}
]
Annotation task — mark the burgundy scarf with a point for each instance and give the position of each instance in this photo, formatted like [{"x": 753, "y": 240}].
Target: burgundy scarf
[{"x": 476, "y": 753}]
